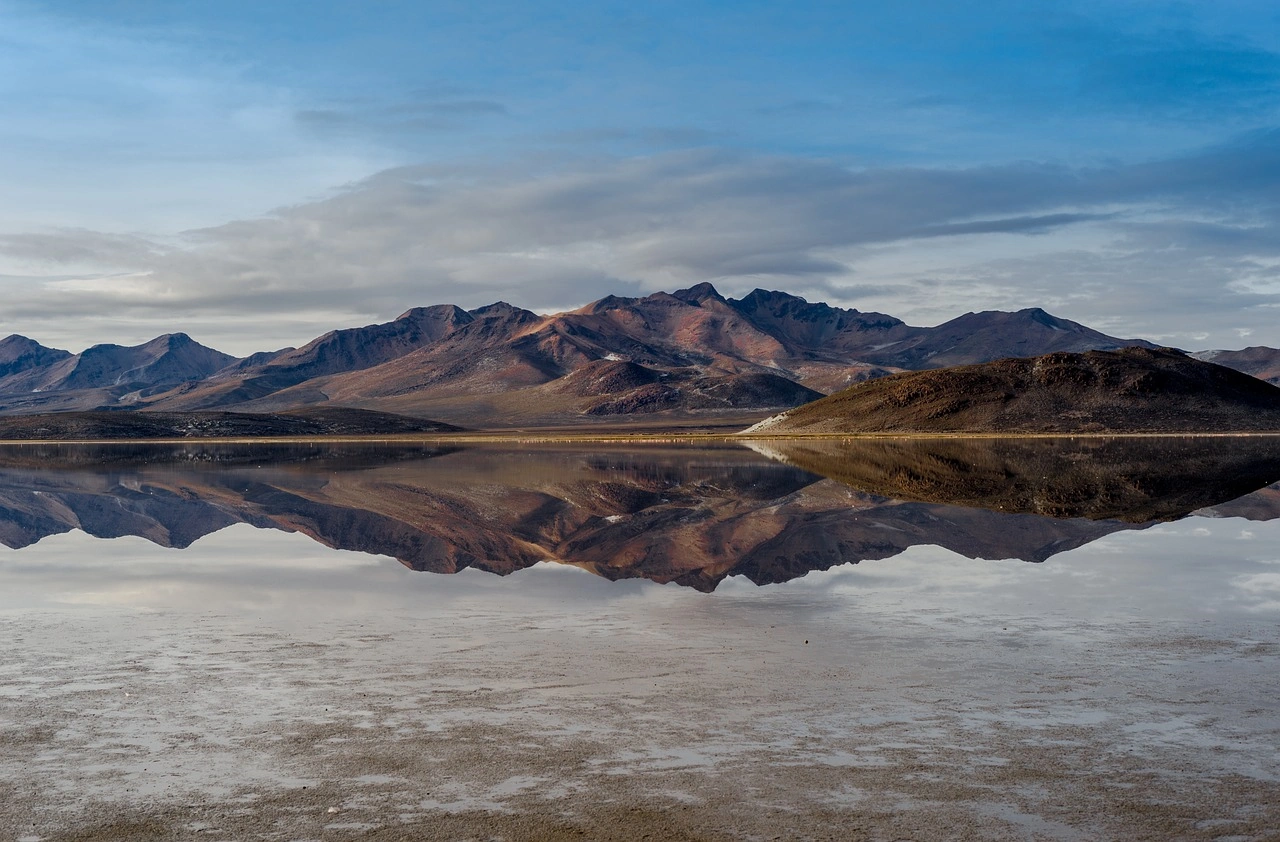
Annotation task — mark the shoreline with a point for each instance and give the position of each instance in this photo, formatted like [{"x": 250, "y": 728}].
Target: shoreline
[{"x": 512, "y": 437}]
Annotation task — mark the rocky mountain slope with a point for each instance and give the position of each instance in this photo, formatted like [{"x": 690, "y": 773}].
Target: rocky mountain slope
[
  {"x": 694, "y": 353},
  {"x": 1131, "y": 390}
]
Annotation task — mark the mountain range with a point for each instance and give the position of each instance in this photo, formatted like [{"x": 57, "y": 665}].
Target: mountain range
[{"x": 690, "y": 354}]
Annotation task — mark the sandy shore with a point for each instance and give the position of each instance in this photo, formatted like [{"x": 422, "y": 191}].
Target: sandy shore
[{"x": 927, "y": 697}]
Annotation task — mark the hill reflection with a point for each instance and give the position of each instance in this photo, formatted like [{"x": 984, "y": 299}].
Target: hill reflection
[
  {"x": 1137, "y": 480},
  {"x": 690, "y": 515}
]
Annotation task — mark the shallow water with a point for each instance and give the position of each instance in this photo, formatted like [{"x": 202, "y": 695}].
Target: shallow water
[{"x": 678, "y": 633}]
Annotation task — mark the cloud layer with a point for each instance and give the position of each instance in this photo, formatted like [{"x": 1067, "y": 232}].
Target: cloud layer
[
  {"x": 923, "y": 158},
  {"x": 1184, "y": 249}
]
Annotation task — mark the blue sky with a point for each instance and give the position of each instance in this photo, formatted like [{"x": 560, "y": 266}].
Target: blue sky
[{"x": 256, "y": 173}]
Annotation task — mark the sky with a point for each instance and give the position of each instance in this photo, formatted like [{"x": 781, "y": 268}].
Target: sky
[{"x": 255, "y": 174}]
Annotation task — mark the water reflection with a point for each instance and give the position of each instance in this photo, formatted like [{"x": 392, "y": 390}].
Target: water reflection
[
  {"x": 1139, "y": 480},
  {"x": 690, "y": 515}
]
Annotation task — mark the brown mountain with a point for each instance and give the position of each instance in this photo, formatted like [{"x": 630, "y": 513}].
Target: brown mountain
[
  {"x": 1260, "y": 361},
  {"x": 491, "y": 364},
  {"x": 1131, "y": 390}
]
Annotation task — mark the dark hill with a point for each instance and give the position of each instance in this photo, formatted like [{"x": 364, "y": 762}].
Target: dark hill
[
  {"x": 1132, "y": 390},
  {"x": 321, "y": 421}
]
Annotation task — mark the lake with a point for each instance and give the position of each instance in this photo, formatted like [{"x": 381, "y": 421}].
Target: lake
[{"x": 1064, "y": 639}]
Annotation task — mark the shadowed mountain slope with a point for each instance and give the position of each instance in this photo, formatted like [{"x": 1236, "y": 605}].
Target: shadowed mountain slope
[
  {"x": 106, "y": 374},
  {"x": 1132, "y": 390},
  {"x": 19, "y": 354}
]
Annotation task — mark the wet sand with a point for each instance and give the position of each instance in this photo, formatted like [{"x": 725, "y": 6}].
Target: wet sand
[{"x": 863, "y": 704}]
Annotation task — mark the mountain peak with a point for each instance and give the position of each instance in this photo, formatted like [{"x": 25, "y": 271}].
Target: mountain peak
[
  {"x": 163, "y": 343},
  {"x": 767, "y": 297},
  {"x": 436, "y": 312},
  {"x": 170, "y": 340},
  {"x": 609, "y": 302},
  {"x": 1041, "y": 316},
  {"x": 698, "y": 293},
  {"x": 19, "y": 353},
  {"x": 496, "y": 308},
  {"x": 15, "y": 344},
  {"x": 502, "y": 311}
]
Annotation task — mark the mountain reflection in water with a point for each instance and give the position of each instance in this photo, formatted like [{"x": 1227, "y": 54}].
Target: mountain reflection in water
[{"x": 686, "y": 514}]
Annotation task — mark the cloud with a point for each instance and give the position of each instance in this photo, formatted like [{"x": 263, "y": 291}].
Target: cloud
[
  {"x": 71, "y": 246},
  {"x": 1042, "y": 224},
  {"x": 1168, "y": 248}
]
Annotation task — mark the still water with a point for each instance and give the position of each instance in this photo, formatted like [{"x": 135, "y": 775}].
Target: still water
[{"x": 1059, "y": 639}]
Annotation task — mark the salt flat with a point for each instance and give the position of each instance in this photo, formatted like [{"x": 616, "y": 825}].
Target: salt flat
[{"x": 258, "y": 686}]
